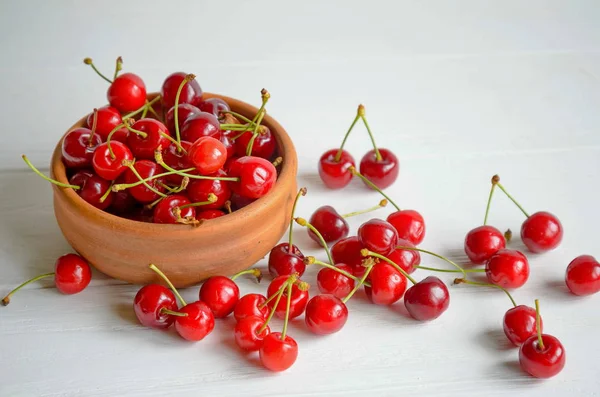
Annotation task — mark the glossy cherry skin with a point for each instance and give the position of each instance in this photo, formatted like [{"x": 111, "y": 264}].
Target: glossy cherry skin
[
  {"x": 409, "y": 224},
  {"x": 199, "y": 189},
  {"x": 198, "y": 323},
  {"x": 238, "y": 202},
  {"x": 278, "y": 354},
  {"x": 164, "y": 211},
  {"x": 149, "y": 302},
  {"x": 246, "y": 333},
  {"x": 347, "y": 251},
  {"x": 583, "y": 275},
  {"x": 209, "y": 214},
  {"x": 542, "y": 363},
  {"x": 143, "y": 148},
  {"x": 519, "y": 324},
  {"x": 71, "y": 274},
  {"x": 185, "y": 112},
  {"x": 251, "y": 305},
  {"x": 335, "y": 174},
  {"x": 257, "y": 176},
  {"x": 387, "y": 284},
  {"x": 264, "y": 144},
  {"x": 483, "y": 242},
  {"x": 383, "y": 172},
  {"x": 208, "y": 155},
  {"x": 329, "y": 223},
  {"x": 145, "y": 169},
  {"x": 178, "y": 160},
  {"x": 405, "y": 258},
  {"x": 127, "y": 93},
  {"x": 227, "y": 140},
  {"x": 120, "y": 135},
  {"x": 335, "y": 283},
  {"x": 214, "y": 106},
  {"x": 541, "y": 232},
  {"x": 507, "y": 268},
  {"x": 220, "y": 294},
  {"x": 191, "y": 92},
  {"x": 77, "y": 150},
  {"x": 325, "y": 314},
  {"x": 105, "y": 165},
  {"x": 427, "y": 299},
  {"x": 298, "y": 301},
  {"x": 92, "y": 188},
  {"x": 378, "y": 236},
  {"x": 199, "y": 125},
  {"x": 285, "y": 262},
  {"x": 107, "y": 119}
]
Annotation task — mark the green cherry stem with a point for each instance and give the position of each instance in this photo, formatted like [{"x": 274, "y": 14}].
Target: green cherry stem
[
  {"x": 255, "y": 133},
  {"x": 460, "y": 269},
  {"x": 129, "y": 164},
  {"x": 237, "y": 116},
  {"x": 140, "y": 110},
  {"x": 287, "y": 311},
  {"x": 512, "y": 199},
  {"x": 173, "y": 141},
  {"x": 253, "y": 272},
  {"x": 173, "y": 313},
  {"x": 381, "y": 204},
  {"x": 361, "y": 112},
  {"x": 434, "y": 269},
  {"x": 164, "y": 277},
  {"x": 186, "y": 80},
  {"x": 538, "y": 325},
  {"x": 465, "y": 281},
  {"x": 338, "y": 155},
  {"x": 366, "y": 252},
  {"x": 274, "y": 296},
  {"x": 109, "y": 137},
  {"x": 93, "y": 131},
  {"x": 303, "y": 222},
  {"x": 6, "y": 299},
  {"x": 118, "y": 67},
  {"x": 301, "y": 192},
  {"x": 105, "y": 195},
  {"x": 88, "y": 61},
  {"x": 277, "y": 297},
  {"x": 159, "y": 159},
  {"x": 360, "y": 282},
  {"x": 123, "y": 186},
  {"x": 137, "y": 132},
  {"x": 495, "y": 180},
  {"x": 309, "y": 260},
  {"x": 210, "y": 199},
  {"x": 57, "y": 183},
  {"x": 355, "y": 172}
]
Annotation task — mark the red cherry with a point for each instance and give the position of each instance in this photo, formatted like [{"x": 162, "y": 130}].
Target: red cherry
[
  {"x": 329, "y": 223},
  {"x": 543, "y": 362},
  {"x": 387, "y": 284},
  {"x": 278, "y": 354},
  {"x": 107, "y": 119},
  {"x": 149, "y": 303},
  {"x": 335, "y": 283},
  {"x": 72, "y": 274},
  {"x": 347, "y": 251},
  {"x": 257, "y": 176},
  {"x": 127, "y": 93},
  {"x": 427, "y": 299},
  {"x": 583, "y": 275},
  {"x": 199, "y": 189},
  {"x": 220, "y": 294},
  {"x": 405, "y": 258},
  {"x": 246, "y": 333},
  {"x": 178, "y": 160},
  {"x": 185, "y": 112},
  {"x": 164, "y": 210},
  {"x": 120, "y": 135},
  {"x": 251, "y": 305},
  {"x": 200, "y": 125},
  {"x": 122, "y": 203},
  {"x": 519, "y": 324},
  {"x": 144, "y": 147},
  {"x": 92, "y": 189},
  {"x": 145, "y": 169},
  {"x": 78, "y": 148},
  {"x": 227, "y": 140},
  {"x": 198, "y": 323},
  {"x": 483, "y": 242},
  {"x": 264, "y": 144},
  {"x": 282, "y": 262},
  {"x": 325, "y": 314},
  {"x": 109, "y": 167},
  {"x": 409, "y": 224},
  {"x": 378, "y": 236},
  {"x": 507, "y": 268},
  {"x": 191, "y": 92},
  {"x": 335, "y": 174},
  {"x": 208, "y": 155},
  {"x": 541, "y": 232},
  {"x": 382, "y": 172},
  {"x": 298, "y": 300},
  {"x": 238, "y": 202},
  {"x": 209, "y": 214},
  {"x": 214, "y": 106}
]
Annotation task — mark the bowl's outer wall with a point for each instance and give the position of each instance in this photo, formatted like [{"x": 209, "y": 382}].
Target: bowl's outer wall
[{"x": 123, "y": 249}]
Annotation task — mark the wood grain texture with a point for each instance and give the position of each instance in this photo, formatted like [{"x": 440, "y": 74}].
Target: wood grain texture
[{"x": 460, "y": 90}]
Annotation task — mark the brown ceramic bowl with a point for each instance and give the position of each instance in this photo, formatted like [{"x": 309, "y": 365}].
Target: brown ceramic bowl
[{"x": 123, "y": 248}]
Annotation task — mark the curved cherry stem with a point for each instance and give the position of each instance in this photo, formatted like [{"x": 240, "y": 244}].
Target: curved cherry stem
[
  {"x": 359, "y": 284},
  {"x": 338, "y": 155},
  {"x": 256, "y": 273},
  {"x": 173, "y": 141},
  {"x": 434, "y": 269},
  {"x": 309, "y": 260},
  {"x": 88, "y": 61},
  {"x": 6, "y": 299},
  {"x": 107, "y": 193},
  {"x": 118, "y": 67},
  {"x": 237, "y": 115},
  {"x": 173, "y": 313},
  {"x": 274, "y": 296},
  {"x": 287, "y": 311},
  {"x": 538, "y": 325},
  {"x": 159, "y": 159},
  {"x": 109, "y": 137},
  {"x": 210, "y": 199},
  {"x": 255, "y": 133},
  {"x": 57, "y": 183},
  {"x": 365, "y": 252},
  {"x": 93, "y": 130},
  {"x": 186, "y": 80},
  {"x": 465, "y": 281},
  {"x": 303, "y": 222},
  {"x": 460, "y": 269},
  {"x": 166, "y": 279},
  {"x": 277, "y": 297},
  {"x": 355, "y": 172},
  {"x": 137, "y": 132},
  {"x": 301, "y": 192},
  {"x": 123, "y": 186},
  {"x": 513, "y": 200},
  {"x": 140, "y": 110},
  {"x": 495, "y": 180},
  {"x": 381, "y": 204},
  {"x": 130, "y": 165}
]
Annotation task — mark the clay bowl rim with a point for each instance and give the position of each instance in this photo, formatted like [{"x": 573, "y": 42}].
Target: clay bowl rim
[{"x": 285, "y": 146}]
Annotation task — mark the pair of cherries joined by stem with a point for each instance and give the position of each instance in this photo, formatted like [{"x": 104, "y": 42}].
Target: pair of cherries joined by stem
[{"x": 380, "y": 166}]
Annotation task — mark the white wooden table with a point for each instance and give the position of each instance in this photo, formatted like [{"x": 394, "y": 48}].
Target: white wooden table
[{"x": 459, "y": 90}]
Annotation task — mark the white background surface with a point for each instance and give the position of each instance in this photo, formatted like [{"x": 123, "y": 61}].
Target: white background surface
[{"x": 459, "y": 90}]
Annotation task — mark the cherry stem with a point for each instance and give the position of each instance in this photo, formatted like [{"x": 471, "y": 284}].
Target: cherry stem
[
  {"x": 237, "y": 115},
  {"x": 460, "y": 269},
  {"x": 278, "y": 296},
  {"x": 143, "y": 181},
  {"x": 186, "y": 80},
  {"x": 355, "y": 172},
  {"x": 303, "y": 222},
  {"x": 434, "y": 269},
  {"x": 513, "y": 200},
  {"x": 270, "y": 298},
  {"x": 538, "y": 325},
  {"x": 365, "y": 252},
  {"x": 57, "y": 183},
  {"x": 173, "y": 141},
  {"x": 364, "y": 119},
  {"x": 144, "y": 112},
  {"x": 381, "y": 204},
  {"x": 338, "y": 155},
  {"x": 495, "y": 180},
  {"x": 301, "y": 192},
  {"x": 508, "y": 235},
  {"x": 465, "y": 281},
  {"x": 256, "y": 127},
  {"x": 6, "y": 299},
  {"x": 93, "y": 131},
  {"x": 173, "y": 313},
  {"x": 309, "y": 260},
  {"x": 287, "y": 311},
  {"x": 118, "y": 67},
  {"x": 254, "y": 272},
  {"x": 210, "y": 199},
  {"x": 136, "y": 112},
  {"x": 237, "y": 127},
  {"x": 88, "y": 61},
  {"x": 151, "y": 109},
  {"x": 159, "y": 159},
  {"x": 109, "y": 137},
  {"x": 164, "y": 277},
  {"x": 359, "y": 284},
  {"x": 123, "y": 186},
  {"x": 137, "y": 132},
  {"x": 277, "y": 161},
  {"x": 105, "y": 195},
  {"x": 227, "y": 206}
]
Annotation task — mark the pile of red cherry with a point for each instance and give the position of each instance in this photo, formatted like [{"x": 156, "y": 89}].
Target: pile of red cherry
[{"x": 380, "y": 258}]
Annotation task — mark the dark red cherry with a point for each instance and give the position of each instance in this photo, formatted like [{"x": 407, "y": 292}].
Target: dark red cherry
[
  {"x": 214, "y": 106},
  {"x": 264, "y": 144},
  {"x": 383, "y": 172},
  {"x": 149, "y": 302},
  {"x": 329, "y": 223},
  {"x": 298, "y": 301},
  {"x": 543, "y": 362},
  {"x": 191, "y": 92},
  {"x": 199, "y": 125},
  {"x": 198, "y": 323},
  {"x": 277, "y": 354},
  {"x": 507, "y": 268},
  {"x": 378, "y": 236},
  {"x": 285, "y": 262},
  {"x": 251, "y": 305},
  {"x": 427, "y": 299},
  {"x": 108, "y": 119},
  {"x": 247, "y": 335},
  {"x": 409, "y": 224},
  {"x": 335, "y": 174},
  {"x": 256, "y": 175},
  {"x": 164, "y": 211},
  {"x": 387, "y": 284},
  {"x": 405, "y": 258},
  {"x": 140, "y": 214},
  {"x": 143, "y": 147},
  {"x": 127, "y": 93},
  {"x": 347, "y": 251},
  {"x": 107, "y": 166},
  {"x": 541, "y": 232},
  {"x": 519, "y": 324},
  {"x": 92, "y": 188},
  {"x": 198, "y": 190},
  {"x": 221, "y": 294},
  {"x": 120, "y": 135},
  {"x": 209, "y": 214},
  {"x": 325, "y": 314},
  {"x": 583, "y": 275},
  {"x": 78, "y": 148},
  {"x": 238, "y": 202},
  {"x": 145, "y": 169},
  {"x": 208, "y": 155},
  {"x": 178, "y": 160},
  {"x": 185, "y": 112},
  {"x": 483, "y": 242},
  {"x": 227, "y": 140},
  {"x": 123, "y": 202},
  {"x": 335, "y": 283}
]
